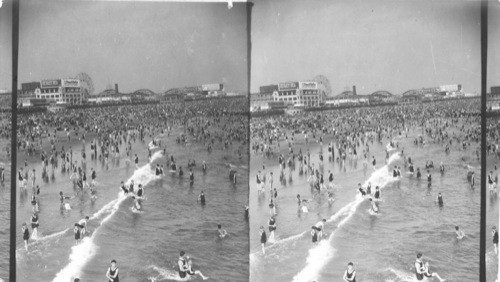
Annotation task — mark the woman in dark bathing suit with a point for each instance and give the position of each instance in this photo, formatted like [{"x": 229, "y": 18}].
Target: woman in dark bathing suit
[{"x": 112, "y": 273}]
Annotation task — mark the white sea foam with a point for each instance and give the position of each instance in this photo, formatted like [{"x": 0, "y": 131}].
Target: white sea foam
[
  {"x": 83, "y": 252},
  {"x": 53, "y": 235},
  {"x": 403, "y": 276},
  {"x": 166, "y": 274},
  {"x": 389, "y": 148}
]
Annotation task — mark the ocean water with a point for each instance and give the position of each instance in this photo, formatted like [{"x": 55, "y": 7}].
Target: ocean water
[
  {"x": 146, "y": 245},
  {"x": 383, "y": 247},
  {"x": 492, "y": 208},
  {"x": 4, "y": 213}
]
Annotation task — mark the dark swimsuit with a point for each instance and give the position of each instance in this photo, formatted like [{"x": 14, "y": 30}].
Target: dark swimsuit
[
  {"x": 419, "y": 275},
  {"x": 350, "y": 275},
  {"x": 263, "y": 238},
  {"x": 34, "y": 219},
  {"x": 26, "y": 234},
  {"x": 182, "y": 274},
  {"x": 112, "y": 273},
  {"x": 77, "y": 234}
]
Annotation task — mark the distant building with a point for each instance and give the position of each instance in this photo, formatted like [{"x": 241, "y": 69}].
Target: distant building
[
  {"x": 347, "y": 98},
  {"x": 381, "y": 96},
  {"x": 261, "y": 100},
  {"x": 60, "y": 91},
  {"x": 28, "y": 88},
  {"x": 495, "y": 90},
  {"x": 299, "y": 94},
  {"x": 109, "y": 96},
  {"x": 213, "y": 90}
]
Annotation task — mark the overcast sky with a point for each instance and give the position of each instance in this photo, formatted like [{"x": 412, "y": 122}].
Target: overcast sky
[
  {"x": 493, "y": 77},
  {"x": 6, "y": 46},
  {"x": 156, "y": 46},
  {"x": 375, "y": 45}
]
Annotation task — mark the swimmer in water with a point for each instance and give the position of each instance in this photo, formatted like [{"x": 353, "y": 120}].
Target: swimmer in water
[
  {"x": 304, "y": 206},
  {"x": 131, "y": 187},
  {"x": 137, "y": 205},
  {"x": 124, "y": 189},
  {"x": 460, "y": 233},
  {"x": 26, "y": 235},
  {"x": 320, "y": 228},
  {"x": 331, "y": 199},
  {"x": 272, "y": 207},
  {"x": 350, "y": 273},
  {"x": 422, "y": 269},
  {"x": 374, "y": 206},
  {"x": 192, "y": 272},
  {"x": 260, "y": 186},
  {"x": 112, "y": 273},
  {"x": 182, "y": 265},
  {"x": 140, "y": 191},
  {"x": 419, "y": 174},
  {"x": 83, "y": 226},
  {"x": 263, "y": 239},
  {"x": 377, "y": 193},
  {"x": 93, "y": 193},
  {"x": 34, "y": 225},
  {"x": 361, "y": 190},
  {"x": 204, "y": 167},
  {"x": 314, "y": 235},
  {"x": 191, "y": 176},
  {"x": 201, "y": 198},
  {"x": 494, "y": 234},
  {"x": 222, "y": 232},
  {"x": 77, "y": 232},
  {"x": 440, "y": 199},
  {"x": 272, "y": 228},
  {"x": 34, "y": 203}
]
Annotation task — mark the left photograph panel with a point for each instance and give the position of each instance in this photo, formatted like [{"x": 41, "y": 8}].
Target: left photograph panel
[
  {"x": 5, "y": 135},
  {"x": 133, "y": 142}
]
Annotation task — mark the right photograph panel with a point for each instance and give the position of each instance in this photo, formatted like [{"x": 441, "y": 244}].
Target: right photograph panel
[
  {"x": 365, "y": 141},
  {"x": 492, "y": 140}
]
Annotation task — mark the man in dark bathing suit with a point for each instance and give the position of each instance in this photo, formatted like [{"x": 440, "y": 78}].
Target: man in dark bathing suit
[
  {"x": 182, "y": 265},
  {"x": 422, "y": 269}
]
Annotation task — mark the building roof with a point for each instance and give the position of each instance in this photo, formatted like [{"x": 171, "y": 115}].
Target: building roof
[
  {"x": 382, "y": 93},
  {"x": 346, "y": 93},
  {"x": 268, "y": 89}
]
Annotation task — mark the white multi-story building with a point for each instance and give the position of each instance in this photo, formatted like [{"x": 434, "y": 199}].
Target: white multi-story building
[
  {"x": 299, "y": 94},
  {"x": 260, "y": 101},
  {"x": 62, "y": 91}
]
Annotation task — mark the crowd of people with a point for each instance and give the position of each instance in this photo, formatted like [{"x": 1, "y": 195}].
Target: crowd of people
[
  {"x": 57, "y": 141},
  {"x": 349, "y": 134}
]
